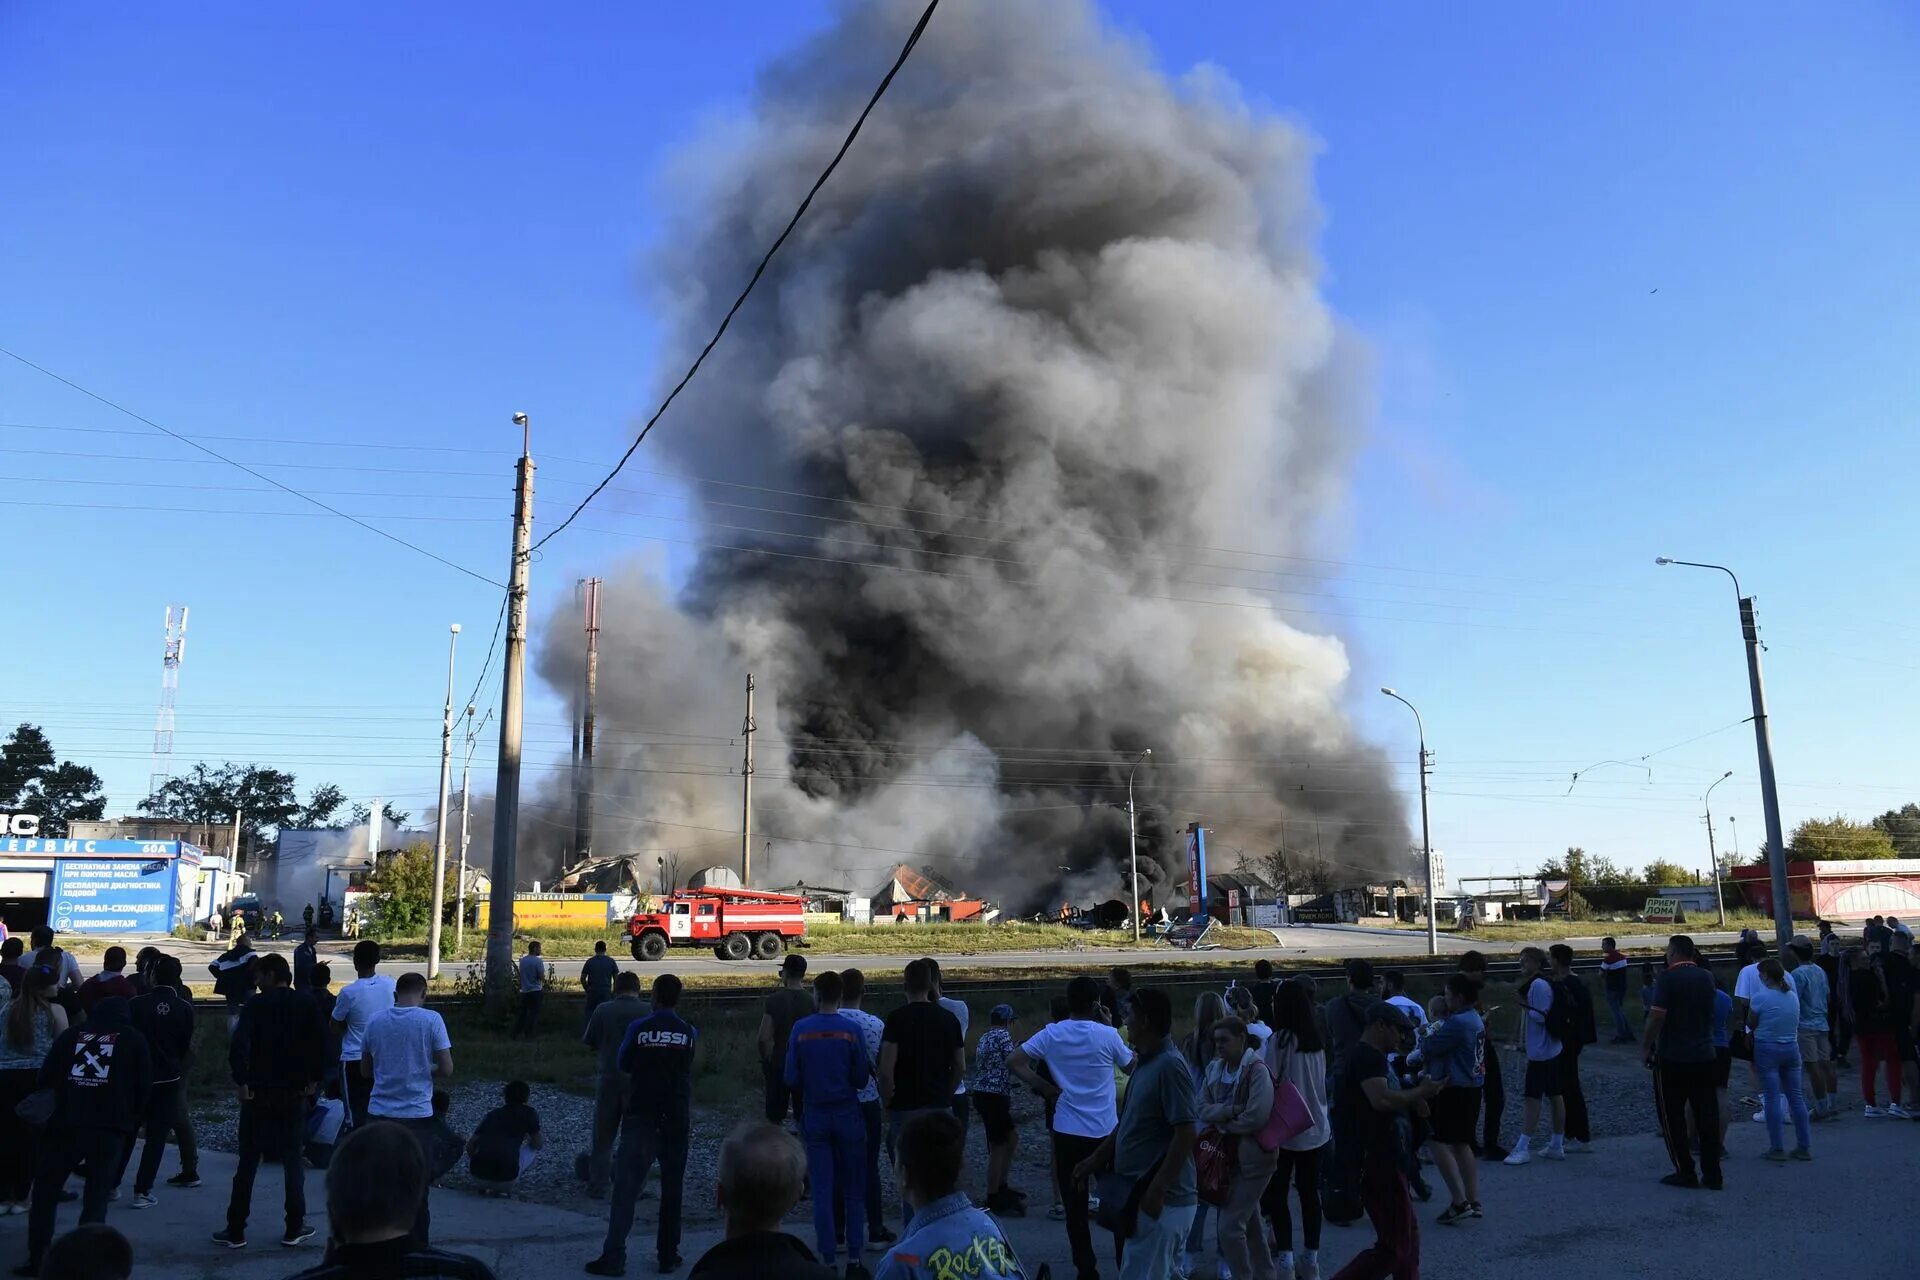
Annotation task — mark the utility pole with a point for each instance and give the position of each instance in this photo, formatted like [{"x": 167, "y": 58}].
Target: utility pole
[
  {"x": 1713, "y": 855},
  {"x": 466, "y": 834},
  {"x": 583, "y": 773},
  {"x": 238, "y": 865},
  {"x": 506, "y": 795},
  {"x": 1763, "y": 745},
  {"x": 440, "y": 814},
  {"x": 746, "y": 792},
  {"x": 1133, "y": 844}
]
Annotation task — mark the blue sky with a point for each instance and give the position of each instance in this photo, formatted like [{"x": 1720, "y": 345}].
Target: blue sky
[{"x": 1638, "y": 279}]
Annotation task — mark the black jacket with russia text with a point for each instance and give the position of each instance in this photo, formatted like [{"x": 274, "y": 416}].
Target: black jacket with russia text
[
  {"x": 101, "y": 1072},
  {"x": 279, "y": 1042}
]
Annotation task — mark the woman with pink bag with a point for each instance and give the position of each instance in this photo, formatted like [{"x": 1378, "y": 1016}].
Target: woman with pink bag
[
  {"x": 1237, "y": 1101},
  {"x": 1296, "y": 1056}
]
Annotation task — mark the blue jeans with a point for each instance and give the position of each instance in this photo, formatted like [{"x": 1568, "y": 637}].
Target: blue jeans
[
  {"x": 837, "y": 1169},
  {"x": 1777, "y": 1063},
  {"x": 643, "y": 1141},
  {"x": 1617, "y": 1001},
  {"x": 1197, "y": 1235},
  {"x": 1153, "y": 1249}
]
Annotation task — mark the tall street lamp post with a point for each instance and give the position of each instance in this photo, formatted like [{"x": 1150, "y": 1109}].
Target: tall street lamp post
[
  {"x": 1713, "y": 856},
  {"x": 1426, "y": 831}
]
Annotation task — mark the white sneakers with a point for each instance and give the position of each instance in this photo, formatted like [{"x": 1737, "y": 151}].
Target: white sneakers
[
  {"x": 1522, "y": 1152},
  {"x": 1898, "y": 1111},
  {"x": 1872, "y": 1112}
]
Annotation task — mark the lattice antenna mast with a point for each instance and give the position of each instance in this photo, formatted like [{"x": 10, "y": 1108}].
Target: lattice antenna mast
[{"x": 171, "y": 658}]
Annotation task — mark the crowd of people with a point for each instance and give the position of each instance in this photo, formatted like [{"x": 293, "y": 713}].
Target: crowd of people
[{"x": 1278, "y": 1104}]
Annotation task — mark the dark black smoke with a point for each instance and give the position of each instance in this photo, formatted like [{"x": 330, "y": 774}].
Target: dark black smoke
[{"x": 1050, "y": 338}]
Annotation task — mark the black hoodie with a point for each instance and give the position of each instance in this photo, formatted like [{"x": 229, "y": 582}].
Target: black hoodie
[
  {"x": 279, "y": 1042},
  {"x": 101, "y": 1072}
]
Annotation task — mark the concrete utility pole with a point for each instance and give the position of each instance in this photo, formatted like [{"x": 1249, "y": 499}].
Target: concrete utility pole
[
  {"x": 440, "y": 814},
  {"x": 466, "y": 834},
  {"x": 583, "y": 773},
  {"x": 746, "y": 792},
  {"x": 1763, "y": 745},
  {"x": 238, "y": 865},
  {"x": 1713, "y": 856},
  {"x": 1133, "y": 843},
  {"x": 506, "y": 794},
  {"x": 1426, "y": 830}
]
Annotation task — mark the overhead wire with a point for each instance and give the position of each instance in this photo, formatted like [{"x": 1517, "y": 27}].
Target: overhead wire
[
  {"x": 394, "y": 538},
  {"x": 906, "y": 50}
]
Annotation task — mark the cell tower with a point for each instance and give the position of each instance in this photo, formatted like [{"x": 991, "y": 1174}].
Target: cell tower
[{"x": 170, "y": 659}]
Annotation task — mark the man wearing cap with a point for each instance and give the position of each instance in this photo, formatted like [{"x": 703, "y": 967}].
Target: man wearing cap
[
  {"x": 993, "y": 1099},
  {"x": 1364, "y": 1108},
  {"x": 1810, "y": 985}
]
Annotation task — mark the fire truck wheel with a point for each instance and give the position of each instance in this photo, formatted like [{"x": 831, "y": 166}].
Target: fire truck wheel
[
  {"x": 767, "y": 946},
  {"x": 650, "y": 947},
  {"x": 736, "y": 946}
]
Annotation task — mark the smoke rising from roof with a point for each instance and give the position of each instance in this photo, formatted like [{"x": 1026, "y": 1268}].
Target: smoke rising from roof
[{"x": 1050, "y": 338}]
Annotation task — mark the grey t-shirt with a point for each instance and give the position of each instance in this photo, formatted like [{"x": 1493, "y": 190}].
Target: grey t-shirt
[
  {"x": 1160, "y": 1098},
  {"x": 607, "y": 1028},
  {"x": 533, "y": 973},
  {"x": 1685, "y": 993}
]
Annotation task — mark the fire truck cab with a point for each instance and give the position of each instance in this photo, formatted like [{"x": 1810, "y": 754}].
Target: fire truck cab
[{"x": 736, "y": 923}]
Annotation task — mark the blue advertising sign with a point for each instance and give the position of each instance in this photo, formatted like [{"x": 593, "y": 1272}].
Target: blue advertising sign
[
  {"x": 1197, "y": 870},
  {"x": 113, "y": 895}
]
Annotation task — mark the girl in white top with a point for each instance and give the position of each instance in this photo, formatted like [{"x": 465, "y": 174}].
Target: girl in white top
[{"x": 1297, "y": 1055}]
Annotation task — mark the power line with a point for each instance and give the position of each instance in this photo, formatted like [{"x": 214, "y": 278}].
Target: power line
[
  {"x": 906, "y": 49},
  {"x": 213, "y": 453}
]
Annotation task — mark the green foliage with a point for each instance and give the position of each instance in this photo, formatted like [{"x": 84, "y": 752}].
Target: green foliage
[
  {"x": 32, "y": 780},
  {"x": 402, "y": 892},
  {"x": 1582, "y": 868},
  {"x": 1662, "y": 872},
  {"x": 264, "y": 798},
  {"x": 1902, "y": 826},
  {"x": 1839, "y": 839}
]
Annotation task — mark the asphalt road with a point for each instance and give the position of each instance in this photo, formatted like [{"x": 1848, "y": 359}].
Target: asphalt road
[{"x": 1329, "y": 942}]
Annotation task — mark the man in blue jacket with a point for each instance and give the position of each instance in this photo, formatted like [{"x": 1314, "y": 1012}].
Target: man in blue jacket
[
  {"x": 827, "y": 1066},
  {"x": 657, "y": 1056},
  {"x": 947, "y": 1235}
]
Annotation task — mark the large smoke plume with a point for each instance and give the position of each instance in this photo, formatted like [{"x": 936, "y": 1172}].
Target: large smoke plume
[{"x": 1047, "y": 343}]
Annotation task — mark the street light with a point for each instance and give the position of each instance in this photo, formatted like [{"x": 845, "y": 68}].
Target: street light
[
  {"x": 1763, "y": 745},
  {"x": 1713, "y": 856},
  {"x": 1426, "y": 833},
  {"x": 1133, "y": 843},
  {"x": 440, "y": 816}
]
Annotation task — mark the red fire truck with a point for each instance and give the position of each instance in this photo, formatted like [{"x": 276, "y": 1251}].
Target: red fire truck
[{"x": 736, "y": 923}]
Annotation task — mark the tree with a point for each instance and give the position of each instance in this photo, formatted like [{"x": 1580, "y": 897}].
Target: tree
[
  {"x": 1902, "y": 826},
  {"x": 403, "y": 891},
  {"x": 264, "y": 798},
  {"x": 1582, "y": 868},
  {"x": 1662, "y": 872},
  {"x": 1291, "y": 871},
  {"x": 1839, "y": 839},
  {"x": 32, "y": 782}
]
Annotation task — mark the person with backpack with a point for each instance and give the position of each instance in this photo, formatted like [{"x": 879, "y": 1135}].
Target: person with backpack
[
  {"x": 1548, "y": 1016},
  {"x": 1582, "y": 1032}
]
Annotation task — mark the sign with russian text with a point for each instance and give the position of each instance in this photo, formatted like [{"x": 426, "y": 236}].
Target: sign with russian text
[
  {"x": 1664, "y": 911},
  {"x": 1197, "y": 870},
  {"x": 112, "y": 895}
]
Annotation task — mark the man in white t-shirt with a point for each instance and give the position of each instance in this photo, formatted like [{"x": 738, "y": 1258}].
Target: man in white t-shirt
[
  {"x": 359, "y": 1003},
  {"x": 1543, "y": 1061},
  {"x": 958, "y": 1008},
  {"x": 853, "y": 988},
  {"x": 1750, "y": 952},
  {"x": 1080, "y": 1054},
  {"x": 1394, "y": 984},
  {"x": 403, "y": 1052}
]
